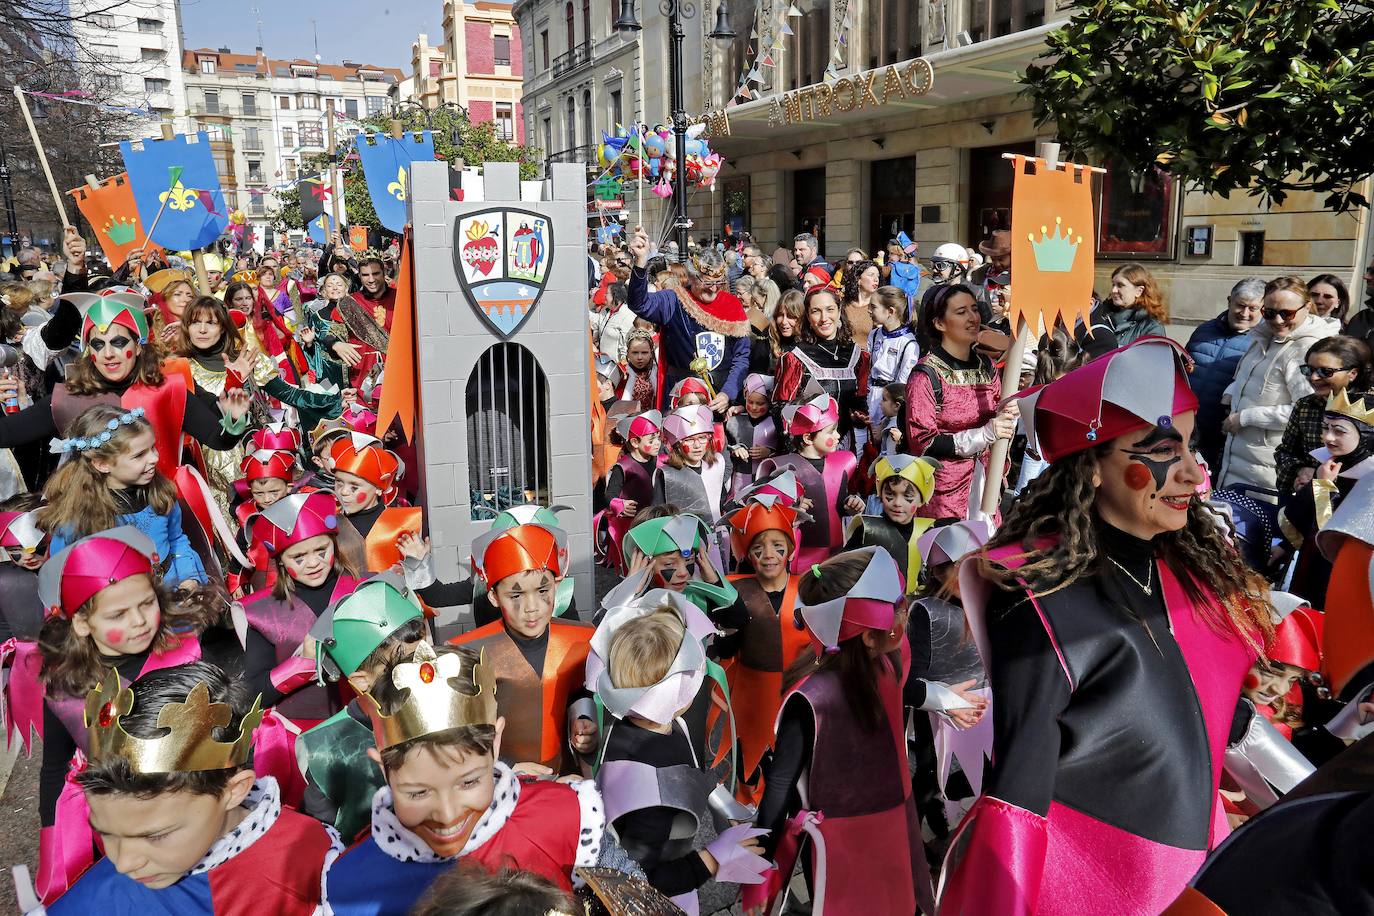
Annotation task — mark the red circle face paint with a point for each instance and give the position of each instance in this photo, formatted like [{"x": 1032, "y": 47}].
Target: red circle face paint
[
  {"x": 360, "y": 498},
  {"x": 114, "y": 636},
  {"x": 128, "y": 354},
  {"x": 1138, "y": 477}
]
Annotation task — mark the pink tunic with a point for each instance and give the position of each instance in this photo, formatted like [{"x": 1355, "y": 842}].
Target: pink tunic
[{"x": 968, "y": 400}]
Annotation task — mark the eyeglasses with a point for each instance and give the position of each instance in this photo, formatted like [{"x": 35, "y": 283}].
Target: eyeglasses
[
  {"x": 711, "y": 284},
  {"x": 1326, "y": 371},
  {"x": 1285, "y": 314}
]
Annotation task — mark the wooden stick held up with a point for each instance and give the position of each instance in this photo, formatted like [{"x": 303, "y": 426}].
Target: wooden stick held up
[{"x": 42, "y": 156}]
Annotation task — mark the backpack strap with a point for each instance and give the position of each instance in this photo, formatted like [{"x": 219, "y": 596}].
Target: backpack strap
[{"x": 937, "y": 387}]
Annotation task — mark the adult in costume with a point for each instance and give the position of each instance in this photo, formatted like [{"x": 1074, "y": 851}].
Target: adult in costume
[
  {"x": 828, "y": 356},
  {"x": 705, "y": 332},
  {"x": 1117, "y": 625}
]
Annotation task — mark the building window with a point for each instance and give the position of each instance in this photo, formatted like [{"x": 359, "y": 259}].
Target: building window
[
  {"x": 500, "y": 49},
  {"x": 212, "y": 101},
  {"x": 108, "y": 83},
  {"x": 255, "y": 207},
  {"x": 222, "y": 168},
  {"x": 587, "y": 21},
  {"x": 505, "y": 121},
  {"x": 252, "y": 138},
  {"x": 254, "y": 171},
  {"x": 571, "y": 123},
  {"x": 615, "y": 108},
  {"x": 290, "y": 169},
  {"x": 103, "y": 21},
  {"x": 151, "y": 25},
  {"x": 310, "y": 102},
  {"x": 207, "y": 64},
  {"x": 547, "y": 136},
  {"x": 375, "y": 104},
  {"x": 288, "y": 138},
  {"x": 311, "y": 135},
  {"x": 250, "y": 103},
  {"x": 351, "y": 108},
  {"x": 544, "y": 47},
  {"x": 615, "y": 13},
  {"x": 284, "y": 102},
  {"x": 152, "y": 55},
  {"x": 154, "y": 85},
  {"x": 1252, "y": 249},
  {"x": 588, "y": 131},
  {"x": 572, "y": 26}
]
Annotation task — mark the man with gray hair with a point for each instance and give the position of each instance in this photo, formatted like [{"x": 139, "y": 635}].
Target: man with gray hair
[
  {"x": 1216, "y": 348},
  {"x": 806, "y": 249},
  {"x": 705, "y": 332}
]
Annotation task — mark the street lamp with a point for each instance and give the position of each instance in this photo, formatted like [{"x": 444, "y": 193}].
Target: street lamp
[
  {"x": 399, "y": 108},
  {"x": 677, "y": 11}
]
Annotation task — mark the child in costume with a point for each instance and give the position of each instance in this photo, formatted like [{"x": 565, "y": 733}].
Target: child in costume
[
  {"x": 267, "y": 476},
  {"x": 648, "y": 669},
  {"x": 309, "y": 574},
  {"x": 629, "y": 484},
  {"x": 695, "y": 477},
  {"x": 365, "y": 476},
  {"x": 448, "y": 796},
  {"x": 763, "y": 537},
  {"x": 823, "y": 473},
  {"x": 322, "y": 439},
  {"x": 105, "y": 614},
  {"x": 841, "y": 746},
  {"x": 112, "y": 479},
  {"x": 25, "y": 548},
  {"x": 641, "y": 370},
  {"x": 187, "y": 825},
  {"x": 538, "y": 662},
  {"x": 692, "y": 392},
  {"x": 359, "y": 637},
  {"x": 608, "y": 380},
  {"x": 892, "y": 347},
  {"x": 1343, "y": 460},
  {"x": 905, "y": 482},
  {"x": 672, "y": 550},
  {"x": 891, "y": 418},
  {"x": 753, "y": 435}
]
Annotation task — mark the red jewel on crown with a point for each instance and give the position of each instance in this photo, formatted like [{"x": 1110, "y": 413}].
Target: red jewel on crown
[
  {"x": 426, "y": 672},
  {"x": 106, "y": 715}
]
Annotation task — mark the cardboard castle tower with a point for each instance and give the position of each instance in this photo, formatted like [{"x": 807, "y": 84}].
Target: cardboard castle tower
[{"x": 504, "y": 393}]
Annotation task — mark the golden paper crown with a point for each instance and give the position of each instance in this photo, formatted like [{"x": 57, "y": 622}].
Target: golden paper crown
[
  {"x": 432, "y": 705},
  {"x": 187, "y": 748},
  {"x": 1339, "y": 403}
]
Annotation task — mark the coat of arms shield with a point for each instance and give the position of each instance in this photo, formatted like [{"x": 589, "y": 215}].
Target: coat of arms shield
[{"x": 503, "y": 256}]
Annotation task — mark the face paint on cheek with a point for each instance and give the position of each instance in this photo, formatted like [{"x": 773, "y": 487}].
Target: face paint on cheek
[
  {"x": 1137, "y": 476},
  {"x": 114, "y": 636},
  {"x": 360, "y": 498},
  {"x": 128, "y": 354},
  {"x": 1158, "y": 469}
]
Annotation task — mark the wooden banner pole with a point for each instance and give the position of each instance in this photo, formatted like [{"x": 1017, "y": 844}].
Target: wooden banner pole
[{"x": 42, "y": 157}]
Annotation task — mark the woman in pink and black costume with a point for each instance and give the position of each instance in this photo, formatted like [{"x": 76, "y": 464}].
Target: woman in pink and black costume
[{"x": 1117, "y": 626}]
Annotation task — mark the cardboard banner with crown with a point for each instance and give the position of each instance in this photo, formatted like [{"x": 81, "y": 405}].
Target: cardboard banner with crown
[
  {"x": 177, "y": 190},
  {"x": 386, "y": 166},
  {"x": 1052, "y": 270},
  {"x": 110, "y": 209}
]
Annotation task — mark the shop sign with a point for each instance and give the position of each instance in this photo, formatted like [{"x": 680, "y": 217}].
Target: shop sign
[{"x": 870, "y": 89}]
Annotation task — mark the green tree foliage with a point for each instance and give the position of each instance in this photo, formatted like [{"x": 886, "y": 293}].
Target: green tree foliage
[
  {"x": 476, "y": 144},
  {"x": 1265, "y": 96}
]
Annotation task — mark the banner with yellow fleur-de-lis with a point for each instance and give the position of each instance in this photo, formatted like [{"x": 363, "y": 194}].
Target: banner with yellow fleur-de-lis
[
  {"x": 386, "y": 166},
  {"x": 177, "y": 190}
]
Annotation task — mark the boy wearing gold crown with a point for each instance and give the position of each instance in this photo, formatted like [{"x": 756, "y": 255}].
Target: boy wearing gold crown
[
  {"x": 448, "y": 796},
  {"x": 186, "y": 825},
  {"x": 905, "y": 484},
  {"x": 539, "y": 663},
  {"x": 1343, "y": 459}
]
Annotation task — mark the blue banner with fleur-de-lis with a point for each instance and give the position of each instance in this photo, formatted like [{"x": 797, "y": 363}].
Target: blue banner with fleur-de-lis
[
  {"x": 176, "y": 190},
  {"x": 386, "y": 166}
]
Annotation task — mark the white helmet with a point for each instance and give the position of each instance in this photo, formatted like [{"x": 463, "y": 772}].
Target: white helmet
[{"x": 951, "y": 251}]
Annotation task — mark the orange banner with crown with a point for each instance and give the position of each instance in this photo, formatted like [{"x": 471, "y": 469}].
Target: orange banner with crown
[
  {"x": 1052, "y": 266},
  {"x": 110, "y": 209}
]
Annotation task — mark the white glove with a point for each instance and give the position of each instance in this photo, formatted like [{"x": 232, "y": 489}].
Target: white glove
[
  {"x": 970, "y": 442},
  {"x": 939, "y": 698},
  {"x": 1346, "y": 724}
]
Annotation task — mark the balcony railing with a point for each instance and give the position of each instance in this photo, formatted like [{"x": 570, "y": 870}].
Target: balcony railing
[
  {"x": 577, "y": 57},
  {"x": 575, "y": 154}
]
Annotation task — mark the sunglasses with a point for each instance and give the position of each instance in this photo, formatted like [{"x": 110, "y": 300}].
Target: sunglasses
[
  {"x": 118, "y": 343},
  {"x": 1285, "y": 314},
  {"x": 1325, "y": 371}
]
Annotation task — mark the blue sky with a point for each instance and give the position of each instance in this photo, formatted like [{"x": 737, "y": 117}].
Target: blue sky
[{"x": 364, "y": 31}]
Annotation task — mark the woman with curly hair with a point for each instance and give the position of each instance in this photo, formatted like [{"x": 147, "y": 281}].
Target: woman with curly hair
[
  {"x": 1135, "y": 306},
  {"x": 861, "y": 281},
  {"x": 1117, "y": 624},
  {"x": 827, "y": 355}
]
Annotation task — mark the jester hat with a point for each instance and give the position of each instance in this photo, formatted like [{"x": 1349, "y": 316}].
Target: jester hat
[
  {"x": 870, "y": 603},
  {"x": 756, "y": 383},
  {"x": 640, "y": 424},
  {"x": 353, "y": 627},
  {"x": 686, "y": 386},
  {"x": 680, "y": 534},
  {"x": 1131, "y": 389},
  {"x": 609, "y": 369},
  {"x": 363, "y": 456},
  {"x": 265, "y": 464},
  {"x": 501, "y": 553},
  {"x": 951, "y": 543},
  {"x": 19, "y": 530},
  {"x": 93, "y": 564},
  {"x": 919, "y": 471},
  {"x": 781, "y": 483},
  {"x": 811, "y": 417},
  {"x": 101, "y": 310},
  {"x": 768, "y": 512},
  {"x": 1297, "y": 635},
  {"x": 277, "y": 437},
  {"x": 687, "y": 421},
  {"x": 295, "y": 518},
  {"x": 527, "y": 514}
]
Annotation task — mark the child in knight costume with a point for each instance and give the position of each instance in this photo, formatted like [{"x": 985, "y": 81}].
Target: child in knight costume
[
  {"x": 365, "y": 478},
  {"x": 188, "y": 826},
  {"x": 358, "y": 637},
  {"x": 695, "y": 477},
  {"x": 538, "y": 662},
  {"x": 449, "y": 796},
  {"x": 841, "y": 746},
  {"x": 823, "y": 472},
  {"x": 905, "y": 483},
  {"x": 648, "y": 668},
  {"x": 753, "y": 435},
  {"x": 629, "y": 484},
  {"x": 763, "y": 537},
  {"x": 673, "y": 551},
  {"x": 25, "y": 547}
]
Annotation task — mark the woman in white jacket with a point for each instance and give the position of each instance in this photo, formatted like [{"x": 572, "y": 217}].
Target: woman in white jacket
[{"x": 1269, "y": 380}]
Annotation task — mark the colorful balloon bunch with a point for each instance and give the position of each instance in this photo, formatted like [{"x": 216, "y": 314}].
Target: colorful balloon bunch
[{"x": 651, "y": 153}]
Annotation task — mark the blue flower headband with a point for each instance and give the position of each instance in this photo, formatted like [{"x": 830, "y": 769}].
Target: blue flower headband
[{"x": 61, "y": 446}]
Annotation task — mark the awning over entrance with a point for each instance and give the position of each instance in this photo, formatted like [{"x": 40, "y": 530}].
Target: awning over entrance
[{"x": 989, "y": 68}]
